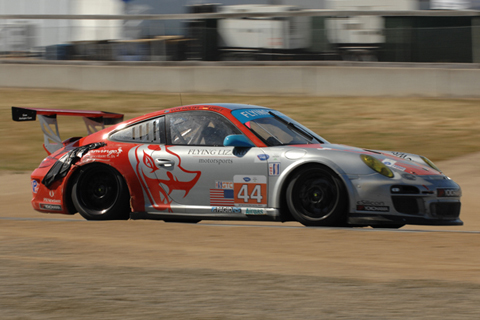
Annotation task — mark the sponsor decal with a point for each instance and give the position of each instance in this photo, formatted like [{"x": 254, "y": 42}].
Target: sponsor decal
[
  {"x": 106, "y": 153},
  {"x": 224, "y": 185},
  {"x": 216, "y": 161},
  {"x": 398, "y": 167},
  {"x": 226, "y": 210},
  {"x": 274, "y": 169},
  {"x": 210, "y": 152},
  {"x": 392, "y": 164},
  {"x": 263, "y": 157},
  {"x": 250, "y": 191},
  {"x": 47, "y": 206},
  {"x": 25, "y": 117},
  {"x": 221, "y": 152},
  {"x": 221, "y": 197},
  {"x": 248, "y": 115},
  {"x": 444, "y": 193},
  {"x": 255, "y": 211},
  {"x": 388, "y": 162},
  {"x": 275, "y": 157},
  {"x": 401, "y": 155},
  {"x": 35, "y": 186},
  {"x": 254, "y": 113},
  {"x": 370, "y": 203},
  {"x": 51, "y": 200},
  {"x": 51, "y": 193},
  {"x": 373, "y": 208}
]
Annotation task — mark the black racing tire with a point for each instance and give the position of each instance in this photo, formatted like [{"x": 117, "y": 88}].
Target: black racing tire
[
  {"x": 100, "y": 193},
  {"x": 316, "y": 196}
]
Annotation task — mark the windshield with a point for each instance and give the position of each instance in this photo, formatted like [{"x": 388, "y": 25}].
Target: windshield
[{"x": 274, "y": 128}]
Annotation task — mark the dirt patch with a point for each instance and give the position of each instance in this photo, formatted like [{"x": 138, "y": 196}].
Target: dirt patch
[{"x": 71, "y": 268}]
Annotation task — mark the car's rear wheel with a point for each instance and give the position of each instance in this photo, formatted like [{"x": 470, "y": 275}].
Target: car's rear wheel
[
  {"x": 100, "y": 193},
  {"x": 316, "y": 197}
]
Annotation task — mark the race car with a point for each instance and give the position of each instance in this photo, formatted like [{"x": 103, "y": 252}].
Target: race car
[{"x": 230, "y": 162}]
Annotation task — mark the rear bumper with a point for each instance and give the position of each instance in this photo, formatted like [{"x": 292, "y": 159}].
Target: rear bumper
[{"x": 47, "y": 200}]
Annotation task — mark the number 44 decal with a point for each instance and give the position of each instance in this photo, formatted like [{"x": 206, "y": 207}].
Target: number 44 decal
[
  {"x": 256, "y": 193},
  {"x": 250, "y": 190}
]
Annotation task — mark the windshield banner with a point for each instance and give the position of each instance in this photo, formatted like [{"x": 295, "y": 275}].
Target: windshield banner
[{"x": 245, "y": 115}]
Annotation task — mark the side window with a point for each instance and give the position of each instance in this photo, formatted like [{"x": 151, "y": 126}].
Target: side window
[
  {"x": 151, "y": 131},
  {"x": 200, "y": 128}
]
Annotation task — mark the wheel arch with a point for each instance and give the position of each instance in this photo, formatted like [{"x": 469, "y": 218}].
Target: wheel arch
[
  {"x": 282, "y": 184},
  {"x": 72, "y": 177}
]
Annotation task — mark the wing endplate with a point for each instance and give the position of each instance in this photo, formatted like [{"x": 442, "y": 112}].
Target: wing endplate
[{"x": 94, "y": 121}]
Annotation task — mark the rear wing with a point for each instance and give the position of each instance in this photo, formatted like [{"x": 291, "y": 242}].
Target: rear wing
[{"x": 94, "y": 121}]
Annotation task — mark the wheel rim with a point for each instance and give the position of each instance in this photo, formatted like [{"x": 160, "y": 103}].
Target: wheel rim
[
  {"x": 98, "y": 191},
  {"x": 317, "y": 197}
]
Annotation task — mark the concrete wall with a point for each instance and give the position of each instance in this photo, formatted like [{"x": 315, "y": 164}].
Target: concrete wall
[{"x": 374, "y": 79}]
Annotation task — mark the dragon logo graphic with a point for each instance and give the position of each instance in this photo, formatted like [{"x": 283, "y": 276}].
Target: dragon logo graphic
[
  {"x": 148, "y": 162},
  {"x": 159, "y": 183}
]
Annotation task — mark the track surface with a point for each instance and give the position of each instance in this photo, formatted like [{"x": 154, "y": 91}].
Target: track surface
[{"x": 58, "y": 267}]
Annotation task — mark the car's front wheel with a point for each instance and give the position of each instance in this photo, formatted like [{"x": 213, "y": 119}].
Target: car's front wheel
[
  {"x": 316, "y": 197},
  {"x": 100, "y": 193}
]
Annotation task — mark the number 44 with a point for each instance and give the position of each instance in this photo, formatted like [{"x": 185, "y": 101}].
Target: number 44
[{"x": 256, "y": 193}]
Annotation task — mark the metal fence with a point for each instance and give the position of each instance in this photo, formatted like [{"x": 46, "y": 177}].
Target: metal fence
[{"x": 413, "y": 36}]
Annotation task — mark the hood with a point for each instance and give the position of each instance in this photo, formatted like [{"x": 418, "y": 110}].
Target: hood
[{"x": 399, "y": 161}]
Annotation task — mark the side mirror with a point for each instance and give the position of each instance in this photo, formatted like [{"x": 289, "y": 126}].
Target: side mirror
[{"x": 237, "y": 140}]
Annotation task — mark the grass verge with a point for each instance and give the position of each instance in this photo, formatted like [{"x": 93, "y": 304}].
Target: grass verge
[{"x": 437, "y": 128}]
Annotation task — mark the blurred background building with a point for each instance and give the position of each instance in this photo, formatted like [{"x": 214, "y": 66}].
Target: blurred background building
[
  {"x": 402, "y": 37},
  {"x": 48, "y": 32}
]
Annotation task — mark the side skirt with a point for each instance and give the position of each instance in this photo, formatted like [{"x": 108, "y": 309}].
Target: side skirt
[{"x": 214, "y": 213}]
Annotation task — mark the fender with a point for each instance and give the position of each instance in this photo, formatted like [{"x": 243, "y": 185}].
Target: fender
[
  {"x": 286, "y": 175},
  {"x": 137, "y": 202}
]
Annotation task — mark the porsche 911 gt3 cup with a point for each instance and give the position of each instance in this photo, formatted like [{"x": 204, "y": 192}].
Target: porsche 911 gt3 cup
[{"x": 231, "y": 162}]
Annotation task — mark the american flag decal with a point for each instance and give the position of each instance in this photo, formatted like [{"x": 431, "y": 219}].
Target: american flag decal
[
  {"x": 274, "y": 169},
  {"x": 221, "y": 197}
]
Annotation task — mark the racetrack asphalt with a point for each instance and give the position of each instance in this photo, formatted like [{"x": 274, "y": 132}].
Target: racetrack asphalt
[{"x": 51, "y": 268}]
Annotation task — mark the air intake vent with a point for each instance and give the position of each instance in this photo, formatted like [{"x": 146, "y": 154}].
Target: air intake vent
[
  {"x": 407, "y": 205},
  {"x": 445, "y": 209}
]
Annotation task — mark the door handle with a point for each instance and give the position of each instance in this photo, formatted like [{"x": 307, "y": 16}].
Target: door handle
[{"x": 165, "y": 162}]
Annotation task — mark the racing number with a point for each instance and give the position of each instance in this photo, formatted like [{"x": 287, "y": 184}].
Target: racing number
[
  {"x": 250, "y": 190},
  {"x": 256, "y": 193}
]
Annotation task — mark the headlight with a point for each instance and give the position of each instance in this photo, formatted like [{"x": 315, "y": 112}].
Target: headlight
[
  {"x": 377, "y": 165},
  {"x": 430, "y": 163}
]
